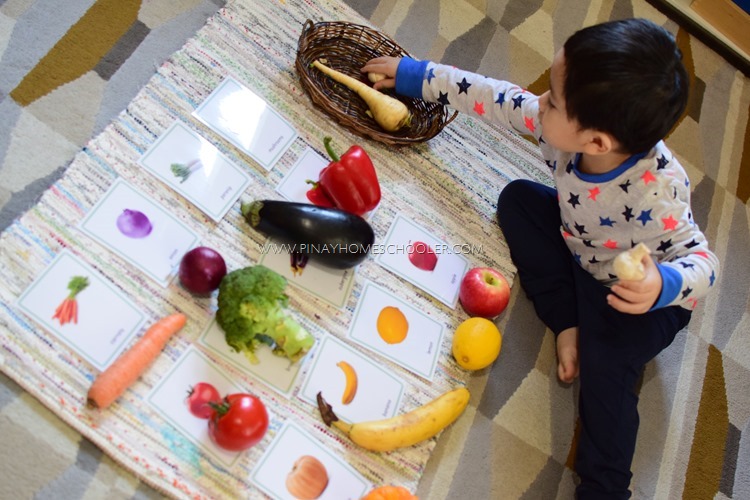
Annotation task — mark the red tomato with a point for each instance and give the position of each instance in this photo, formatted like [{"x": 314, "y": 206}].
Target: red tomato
[
  {"x": 199, "y": 397},
  {"x": 238, "y": 423}
]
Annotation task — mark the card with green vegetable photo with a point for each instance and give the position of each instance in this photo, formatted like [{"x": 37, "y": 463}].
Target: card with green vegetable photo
[
  {"x": 277, "y": 372},
  {"x": 419, "y": 257},
  {"x": 357, "y": 386},
  {"x": 296, "y": 465},
  {"x": 182, "y": 395},
  {"x": 396, "y": 330},
  {"x": 196, "y": 169},
  {"x": 140, "y": 231},
  {"x": 246, "y": 120},
  {"x": 303, "y": 272},
  {"x": 82, "y": 309}
]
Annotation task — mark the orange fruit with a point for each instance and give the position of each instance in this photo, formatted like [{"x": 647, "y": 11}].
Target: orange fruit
[
  {"x": 392, "y": 325},
  {"x": 476, "y": 343}
]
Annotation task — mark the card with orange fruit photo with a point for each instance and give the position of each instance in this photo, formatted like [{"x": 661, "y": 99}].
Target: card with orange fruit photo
[{"x": 396, "y": 330}]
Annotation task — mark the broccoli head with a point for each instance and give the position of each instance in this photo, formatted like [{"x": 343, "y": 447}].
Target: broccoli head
[{"x": 252, "y": 311}]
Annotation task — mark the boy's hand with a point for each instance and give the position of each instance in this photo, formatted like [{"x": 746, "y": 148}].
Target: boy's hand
[
  {"x": 637, "y": 297},
  {"x": 385, "y": 65}
]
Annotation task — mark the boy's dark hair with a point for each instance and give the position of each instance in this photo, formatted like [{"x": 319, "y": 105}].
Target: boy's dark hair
[{"x": 625, "y": 78}]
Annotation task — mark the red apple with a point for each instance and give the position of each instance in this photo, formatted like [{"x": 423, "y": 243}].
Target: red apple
[{"x": 484, "y": 292}]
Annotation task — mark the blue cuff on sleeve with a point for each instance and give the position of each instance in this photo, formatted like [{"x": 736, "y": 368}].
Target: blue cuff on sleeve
[
  {"x": 671, "y": 285},
  {"x": 409, "y": 77}
]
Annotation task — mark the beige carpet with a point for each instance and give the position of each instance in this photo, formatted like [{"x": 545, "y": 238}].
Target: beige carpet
[{"x": 515, "y": 439}]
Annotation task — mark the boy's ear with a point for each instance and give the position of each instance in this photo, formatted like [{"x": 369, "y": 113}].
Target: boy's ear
[{"x": 599, "y": 143}]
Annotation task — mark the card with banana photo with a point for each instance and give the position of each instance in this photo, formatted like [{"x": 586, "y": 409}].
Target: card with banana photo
[{"x": 356, "y": 386}]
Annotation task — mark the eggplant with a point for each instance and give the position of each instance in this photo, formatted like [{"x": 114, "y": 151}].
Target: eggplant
[{"x": 331, "y": 236}]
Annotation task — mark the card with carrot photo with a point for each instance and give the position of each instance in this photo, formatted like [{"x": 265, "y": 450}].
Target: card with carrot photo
[
  {"x": 397, "y": 330},
  {"x": 196, "y": 169},
  {"x": 82, "y": 309},
  {"x": 296, "y": 465}
]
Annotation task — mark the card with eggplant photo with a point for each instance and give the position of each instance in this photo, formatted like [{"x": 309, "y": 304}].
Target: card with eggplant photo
[
  {"x": 306, "y": 273},
  {"x": 140, "y": 231},
  {"x": 83, "y": 309},
  {"x": 196, "y": 169},
  {"x": 419, "y": 257},
  {"x": 396, "y": 330},
  {"x": 296, "y": 465},
  {"x": 357, "y": 386},
  {"x": 176, "y": 398},
  {"x": 277, "y": 372},
  {"x": 246, "y": 120}
]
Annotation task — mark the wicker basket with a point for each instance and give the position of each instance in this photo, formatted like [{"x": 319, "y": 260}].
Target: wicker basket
[{"x": 347, "y": 47}]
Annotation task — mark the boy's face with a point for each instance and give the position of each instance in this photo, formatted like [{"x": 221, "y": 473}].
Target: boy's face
[{"x": 559, "y": 131}]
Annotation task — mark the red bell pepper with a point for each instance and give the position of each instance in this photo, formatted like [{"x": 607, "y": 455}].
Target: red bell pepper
[{"x": 350, "y": 182}]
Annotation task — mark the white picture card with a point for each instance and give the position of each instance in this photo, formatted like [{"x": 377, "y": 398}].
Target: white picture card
[
  {"x": 105, "y": 320},
  {"x": 246, "y": 120},
  {"x": 139, "y": 230},
  {"x": 196, "y": 169}
]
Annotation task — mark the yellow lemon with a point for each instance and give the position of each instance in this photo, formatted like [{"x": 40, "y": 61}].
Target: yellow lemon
[
  {"x": 476, "y": 343},
  {"x": 392, "y": 325}
]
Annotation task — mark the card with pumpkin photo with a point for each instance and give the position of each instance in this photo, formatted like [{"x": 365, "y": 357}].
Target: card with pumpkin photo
[
  {"x": 397, "y": 330},
  {"x": 296, "y": 465}
]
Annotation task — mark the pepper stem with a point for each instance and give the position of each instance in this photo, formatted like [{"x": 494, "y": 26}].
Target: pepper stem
[{"x": 327, "y": 143}]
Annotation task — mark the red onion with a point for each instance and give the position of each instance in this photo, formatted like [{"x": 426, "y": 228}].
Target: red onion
[{"x": 201, "y": 270}]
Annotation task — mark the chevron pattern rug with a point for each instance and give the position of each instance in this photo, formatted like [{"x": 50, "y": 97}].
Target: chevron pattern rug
[{"x": 67, "y": 70}]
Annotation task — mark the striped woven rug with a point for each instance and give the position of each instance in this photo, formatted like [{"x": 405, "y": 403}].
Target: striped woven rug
[{"x": 514, "y": 441}]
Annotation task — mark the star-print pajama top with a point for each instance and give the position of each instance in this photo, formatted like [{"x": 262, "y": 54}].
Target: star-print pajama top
[{"x": 646, "y": 199}]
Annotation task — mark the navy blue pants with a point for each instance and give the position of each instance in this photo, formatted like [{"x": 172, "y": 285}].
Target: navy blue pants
[{"x": 613, "y": 347}]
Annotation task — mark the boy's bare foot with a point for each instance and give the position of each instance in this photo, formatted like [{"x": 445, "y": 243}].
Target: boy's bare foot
[{"x": 567, "y": 355}]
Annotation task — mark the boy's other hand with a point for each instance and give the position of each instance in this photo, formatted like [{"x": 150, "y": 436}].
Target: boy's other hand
[
  {"x": 637, "y": 296},
  {"x": 385, "y": 65}
]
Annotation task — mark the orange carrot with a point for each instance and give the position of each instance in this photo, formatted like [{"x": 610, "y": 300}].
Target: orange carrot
[{"x": 126, "y": 369}]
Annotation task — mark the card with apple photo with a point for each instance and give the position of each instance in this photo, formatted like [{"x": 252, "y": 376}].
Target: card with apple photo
[
  {"x": 296, "y": 465},
  {"x": 357, "y": 386},
  {"x": 195, "y": 168},
  {"x": 140, "y": 231},
  {"x": 169, "y": 398},
  {"x": 277, "y": 372},
  {"x": 396, "y": 330},
  {"x": 419, "y": 257},
  {"x": 246, "y": 120},
  {"x": 82, "y": 309},
  {"x": 328, "y": 284}
]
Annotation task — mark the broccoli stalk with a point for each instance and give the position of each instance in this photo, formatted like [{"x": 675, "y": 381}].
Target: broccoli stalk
[{"x": 252, "y": 311}]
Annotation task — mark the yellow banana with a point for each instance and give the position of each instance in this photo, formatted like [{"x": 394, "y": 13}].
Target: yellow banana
[
  {"x": 350, "y": 390},
  {"x": 402, "y": 430}
]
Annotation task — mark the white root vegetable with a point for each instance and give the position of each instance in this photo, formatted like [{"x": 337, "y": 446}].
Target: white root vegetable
[
  {"x": 628, "y": 265},
  {"x": 389, "y": 113},
  {"x": 375, "y": 77}
]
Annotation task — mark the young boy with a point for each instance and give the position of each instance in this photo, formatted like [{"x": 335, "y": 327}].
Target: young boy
[{"x": 616, "y": 89}]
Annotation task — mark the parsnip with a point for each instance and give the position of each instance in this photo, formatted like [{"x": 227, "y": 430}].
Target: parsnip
[
  {"x": 389, "y": 113},
  {"x": 628, "y": 265}
]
